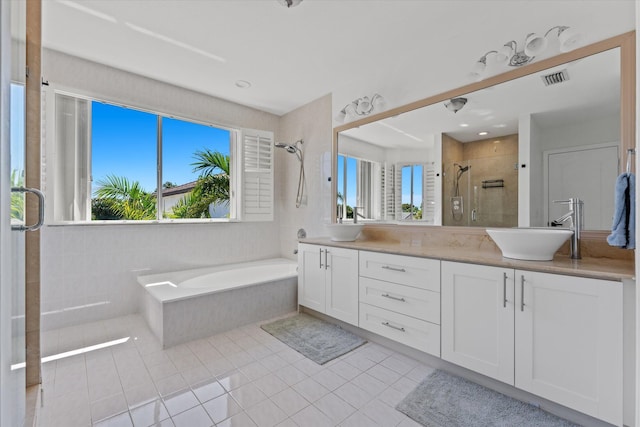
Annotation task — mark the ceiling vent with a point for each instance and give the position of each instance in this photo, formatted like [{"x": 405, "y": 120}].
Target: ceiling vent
[{"x": 555, "y": 78}]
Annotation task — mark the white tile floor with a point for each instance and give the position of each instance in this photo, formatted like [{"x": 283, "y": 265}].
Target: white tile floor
[{"x": 243, "y": 377}]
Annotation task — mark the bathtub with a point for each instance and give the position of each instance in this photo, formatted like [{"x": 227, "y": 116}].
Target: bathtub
[{"x": 186, "y": 305}]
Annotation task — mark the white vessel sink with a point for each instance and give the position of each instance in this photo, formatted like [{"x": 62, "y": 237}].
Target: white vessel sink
[
  {"x": 530, "y": 244},
  {"x": 347, "y": 232}
]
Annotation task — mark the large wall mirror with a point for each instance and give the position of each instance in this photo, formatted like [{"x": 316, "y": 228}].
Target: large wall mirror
[{"x": 503, "y": 153}]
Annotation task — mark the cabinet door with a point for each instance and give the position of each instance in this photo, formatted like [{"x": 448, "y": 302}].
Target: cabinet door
[
  {"x": 311, "y": 276},
  {"x": 569, "y": 342},
  {"x": 342, "y": 284},
  {"x": 477, "y": 318}
]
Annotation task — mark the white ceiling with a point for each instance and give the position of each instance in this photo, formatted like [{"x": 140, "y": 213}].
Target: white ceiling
[{"x": 403, "y": 49}]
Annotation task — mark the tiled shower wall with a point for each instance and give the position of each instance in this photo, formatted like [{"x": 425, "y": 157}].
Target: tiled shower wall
[{"x": 489, "y": 159}]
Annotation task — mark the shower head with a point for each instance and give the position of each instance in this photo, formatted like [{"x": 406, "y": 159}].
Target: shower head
[
  {"x": 461, "y": 169},
  {"x": 290, "y": 148}
]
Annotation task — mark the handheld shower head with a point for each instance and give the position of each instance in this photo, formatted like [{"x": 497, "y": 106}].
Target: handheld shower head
[{"x": 289, "y": 148}]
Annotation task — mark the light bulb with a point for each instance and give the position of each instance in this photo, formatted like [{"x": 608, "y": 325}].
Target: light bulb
[
  {"x": 568, "y": 39},
  {"x": 534, "y": 44},
  {"x": 505, "y": 52}
]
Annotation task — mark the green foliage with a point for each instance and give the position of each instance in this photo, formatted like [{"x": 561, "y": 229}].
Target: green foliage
[
  {"x": 212, "y": 186},
  {"x": 17, "y": 199},
  {"x": 125, "y": 199},
  {"x": 417, "y": 213}
]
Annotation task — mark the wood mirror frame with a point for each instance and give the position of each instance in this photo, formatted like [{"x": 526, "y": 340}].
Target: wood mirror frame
[{"x": 626, "y": 43}]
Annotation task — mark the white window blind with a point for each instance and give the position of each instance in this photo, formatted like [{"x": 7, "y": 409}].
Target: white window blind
[
  {"x": 71, "y": 186},
  {"x": 256, "y": 181},
  {"x": 429, "y": 193},
  {"x": 397, "y": 195}
]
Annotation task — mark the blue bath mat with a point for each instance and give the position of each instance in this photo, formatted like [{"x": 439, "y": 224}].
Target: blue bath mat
[
  {"x": 316, "y": 339},
  {"x": 444, "y": 400}
]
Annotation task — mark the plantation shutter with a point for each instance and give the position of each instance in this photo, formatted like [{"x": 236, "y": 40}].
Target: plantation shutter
[
  {"x": 397, "y": 199},
  {"x": 71, "y": 164},
  {"x": 429, "y": 193},
  {"x": 387, "y": 174},
  {"x": 257, "y": 175}
]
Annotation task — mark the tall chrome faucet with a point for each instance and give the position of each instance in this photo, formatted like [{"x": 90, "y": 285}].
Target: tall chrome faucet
[
  {"x": 355, "y": 214},
  {"x": 575, "y": 215}
]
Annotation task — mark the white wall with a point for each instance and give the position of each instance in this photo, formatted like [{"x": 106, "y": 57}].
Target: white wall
[
  {"x": 94, "y": 267},
  {"x": 535, "y": 138},
  {"x": 311, "y": 122}
]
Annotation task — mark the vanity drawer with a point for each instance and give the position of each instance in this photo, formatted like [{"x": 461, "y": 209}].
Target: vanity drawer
[
  {"x": 415, "y": 302},
  {"x": 424, "y": 336},
  {"x": 412, "y": 271}
]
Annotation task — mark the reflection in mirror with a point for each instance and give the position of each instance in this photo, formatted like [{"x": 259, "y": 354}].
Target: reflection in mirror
[
  {"x": 549, "y": 135},
  {"x": 480, "y": 184},
  {"x": 386, "y": 183}
]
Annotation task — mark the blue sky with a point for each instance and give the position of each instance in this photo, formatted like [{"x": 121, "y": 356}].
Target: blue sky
[
  {"x": 124, "y": 144},
  {"x": 351, "y": 179},
  {"x": 17, "y": 127},
  {"x": 417, "y": 185}
]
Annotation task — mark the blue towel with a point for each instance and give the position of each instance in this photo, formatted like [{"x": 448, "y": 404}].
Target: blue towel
[{"x": 623, "y": 231}]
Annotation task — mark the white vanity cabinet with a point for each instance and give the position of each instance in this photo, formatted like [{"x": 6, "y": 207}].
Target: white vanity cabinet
[
  {"x": 477, "y": 318},
  {"x": 569, "y": 342},
  {"x": 328, "y": 281},
  {"x": 559, "y": 337},
  {"x": 400, "y": 299}
]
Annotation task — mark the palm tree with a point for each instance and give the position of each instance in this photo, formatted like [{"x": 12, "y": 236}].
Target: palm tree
[
  {"x": 212, "y": 186},
  {"x": 127, "y": 199}
]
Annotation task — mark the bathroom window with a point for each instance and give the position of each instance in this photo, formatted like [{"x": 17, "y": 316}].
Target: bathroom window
[
  {"x": 195, "y": 170},
  {"x": 357, "y": 182},
  {"x": 415, "y": 192},
  {"x": 112, "y": 162}
]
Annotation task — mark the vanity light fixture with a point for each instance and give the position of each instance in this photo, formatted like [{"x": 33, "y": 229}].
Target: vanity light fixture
[
  {"x": 534, "y": 44},
  {"x": 360, "y": 107}
]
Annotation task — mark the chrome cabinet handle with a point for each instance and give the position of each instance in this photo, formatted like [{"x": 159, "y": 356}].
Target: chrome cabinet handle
[
  {"x": 40, "y": 196},
  {"x": 522, "y": 292},
  {"x": 326, "y": 264},
  {"x": 387, "y": 267},
  {"x": 321, "y": 259},
  {"x": 397, "y": 328},
  {"x": 504, "y": 289},
  {"x": 394, "y": 298}
]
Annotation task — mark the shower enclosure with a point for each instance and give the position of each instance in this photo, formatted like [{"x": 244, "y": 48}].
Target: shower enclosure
[{"x": 480, "y": 183}]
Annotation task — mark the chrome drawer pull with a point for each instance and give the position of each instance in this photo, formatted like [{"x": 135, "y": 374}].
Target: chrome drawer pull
[
  {"x": 394, "y": 298},
  {"x": 393, "y": 327},
  {"x": 504, "y": 289},
  {"x": 522, "y": 293},
  {"x": 386, "y": 267}
]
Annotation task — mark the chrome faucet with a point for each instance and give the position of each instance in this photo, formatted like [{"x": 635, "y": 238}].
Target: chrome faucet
[
  {"x": 355, "y": 214},
  {"x": 575, "y": 215}
]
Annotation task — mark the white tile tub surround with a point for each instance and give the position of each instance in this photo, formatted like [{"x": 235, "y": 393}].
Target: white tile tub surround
[
  {"x": 89, "y": 271},
  {"x": 187, "y": 305}
]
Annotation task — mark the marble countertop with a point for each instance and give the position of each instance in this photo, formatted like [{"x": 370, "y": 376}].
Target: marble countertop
[{"x": 598, "y": 268}]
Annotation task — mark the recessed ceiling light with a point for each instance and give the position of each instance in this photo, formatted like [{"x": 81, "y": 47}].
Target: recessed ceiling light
[
  {"x": 483, "y": 133},
  {"x": 464, "y": 125},
  {"x": 243, "y": 84},
  {"x": 500, "y": 125}
]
